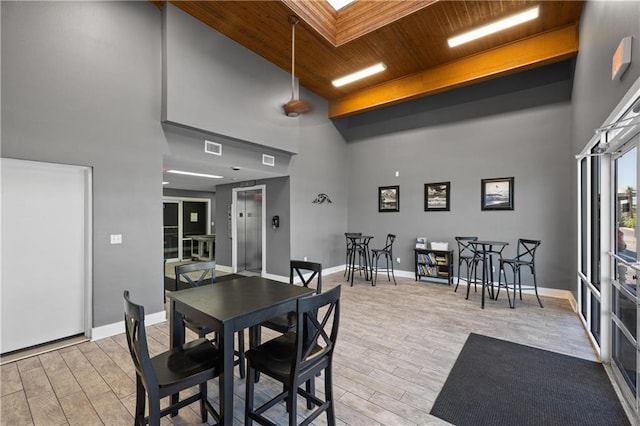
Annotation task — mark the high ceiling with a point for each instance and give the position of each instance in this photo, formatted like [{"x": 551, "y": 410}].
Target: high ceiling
[{"x": 408, "y": 36}]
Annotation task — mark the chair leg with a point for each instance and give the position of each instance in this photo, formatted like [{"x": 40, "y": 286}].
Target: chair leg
[
  {"x": 503, "y": 271},
  {"x": 519, "y": 283},
  {"x": 328, "y": 395},
  {"x": 374, "y": 278},
  {"x": 535, "y": 286},
  {"x": 140, "y": 402},
  {"x": 392, "y": 272},
  {"x": 468, "y": 280},
  {"x": 154, "y": 411},
  {"x": 310, "y": 387},
  {"x": 455, "y": 290},
  {"x": 203, "y": 397},
  {"x": 292, "y": 406}
]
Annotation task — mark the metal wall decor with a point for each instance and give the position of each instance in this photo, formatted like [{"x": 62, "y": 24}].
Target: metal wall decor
[{"x": 321, "y": 198}]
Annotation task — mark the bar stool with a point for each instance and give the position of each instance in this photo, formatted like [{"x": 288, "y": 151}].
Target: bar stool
[
  {"x": 525, "y": 256},
  {"x": 467, "y": 256},
  {"x": 387, "y": 253}
]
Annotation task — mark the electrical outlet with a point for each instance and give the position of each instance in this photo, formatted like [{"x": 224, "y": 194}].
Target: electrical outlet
[
  {"x": 398, "y": 260},
  {"x": 305, "y": 258},
  {"x": 116, "y": 238}
]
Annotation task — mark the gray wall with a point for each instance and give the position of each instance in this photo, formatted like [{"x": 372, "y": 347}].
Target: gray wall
[
  {"x": 214, "y": 84},
  {"x": 81, "y": 85},
  {"x": 317, "y": 230},
  {"x": 595, "y": 95},
  {"x": 515, "y": 126}
]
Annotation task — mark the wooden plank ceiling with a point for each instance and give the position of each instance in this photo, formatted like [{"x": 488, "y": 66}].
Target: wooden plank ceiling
[{"x": 410, "y": 37}]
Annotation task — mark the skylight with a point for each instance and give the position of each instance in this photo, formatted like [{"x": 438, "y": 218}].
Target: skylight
[{"x": 339, "y": 4}]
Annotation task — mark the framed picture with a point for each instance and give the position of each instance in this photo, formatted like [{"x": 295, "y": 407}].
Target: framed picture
[
  {"x": 497, "y": 194},
  {"x": 436, "y": 197},
  {"x": 389, "y": 199}
]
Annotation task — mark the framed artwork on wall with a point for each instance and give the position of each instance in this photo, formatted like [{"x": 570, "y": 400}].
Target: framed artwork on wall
[
  {"x": 497, "y": 194},
  {"x": 437, "y": 196},
  {"x": 389, "y": 198}
]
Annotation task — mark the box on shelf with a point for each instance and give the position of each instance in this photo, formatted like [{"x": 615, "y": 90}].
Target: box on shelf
[
  {"x": 421, "y": 243},
  {"x": 439, "y": 246}
]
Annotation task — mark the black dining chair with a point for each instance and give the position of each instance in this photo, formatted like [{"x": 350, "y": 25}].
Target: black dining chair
[
  {"x": 294, "y": 359},
  {"x": 195, "y": 275},
  {"x": 297, "y": 268},
  {"x": 168, "y": 373},
  {"x": 387, "y": 253},
  {"x": 466, "y": 255},
  {"x": 525, "y": 257}
]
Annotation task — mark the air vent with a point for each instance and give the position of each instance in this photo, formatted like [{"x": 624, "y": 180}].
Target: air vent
[
  {"x": 268, "y": 160},
  {"x": 212, "y": 148}
]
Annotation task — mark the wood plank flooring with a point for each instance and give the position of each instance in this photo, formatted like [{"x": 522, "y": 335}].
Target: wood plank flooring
[{"x": 395, "y": 349}]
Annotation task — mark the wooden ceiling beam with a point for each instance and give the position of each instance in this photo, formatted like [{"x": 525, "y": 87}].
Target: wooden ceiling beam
[{"x": 553, "y": 46}]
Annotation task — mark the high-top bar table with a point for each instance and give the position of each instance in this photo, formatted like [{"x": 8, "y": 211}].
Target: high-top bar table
[
  {"x": 227, "y": 307},
  {"x": 360, "y": 243},
  {"x": 486, "y": 249}
]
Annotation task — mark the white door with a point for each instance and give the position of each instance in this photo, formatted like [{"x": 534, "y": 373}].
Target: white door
[{"x": 45, "y": 279}]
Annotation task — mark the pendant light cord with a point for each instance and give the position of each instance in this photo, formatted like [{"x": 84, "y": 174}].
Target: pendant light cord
[{"x": 294, "y": 21}]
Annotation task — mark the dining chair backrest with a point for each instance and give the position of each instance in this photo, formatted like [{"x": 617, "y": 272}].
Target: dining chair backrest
[
  {"x": 465, "y": 249},
  {"x": 137, "y": 341},
  {"x": 318, "y": 341},
  {"x": 389, "y": 243},
  {"x": 207, "y": 274},
  {"x": 300, "y": 267},
  {"x": 526, "y": 251}
]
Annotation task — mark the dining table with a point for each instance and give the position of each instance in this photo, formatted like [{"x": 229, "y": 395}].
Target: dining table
[
  {"x": 227, "y": 307},
  {"x": 486, "y": 250}
]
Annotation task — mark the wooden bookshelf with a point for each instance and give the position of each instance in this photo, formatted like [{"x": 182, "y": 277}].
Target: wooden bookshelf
[{"x": 434, "y": 265}]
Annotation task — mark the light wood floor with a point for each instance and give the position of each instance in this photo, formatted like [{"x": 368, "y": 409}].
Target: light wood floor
[{"x": 395, "y": 349}]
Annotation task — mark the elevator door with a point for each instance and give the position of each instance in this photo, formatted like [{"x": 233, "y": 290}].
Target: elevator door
[{"x": 249, "y": 230}]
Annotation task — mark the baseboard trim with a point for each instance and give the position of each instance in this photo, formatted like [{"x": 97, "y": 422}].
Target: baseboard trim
[
  {"x": 224, "y": 268},
  {"x": 109, "y": 330},
  {"x": 542, "y": 291}
]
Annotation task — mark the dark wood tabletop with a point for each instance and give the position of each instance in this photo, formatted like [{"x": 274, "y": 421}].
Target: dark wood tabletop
[{"x": 227, "y": 307}]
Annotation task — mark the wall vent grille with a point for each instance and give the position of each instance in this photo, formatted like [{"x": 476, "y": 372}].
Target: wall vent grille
[
  {"x": 268, "y": 160},
  {"x": 214, "y": 148}
]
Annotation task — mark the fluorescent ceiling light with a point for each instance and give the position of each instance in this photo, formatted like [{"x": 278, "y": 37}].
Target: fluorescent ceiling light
[
  {"x": 180, "y": 172},
  {"x": 494, "y": 27},
  {"x": 359, "y": 75},
  {"x": 165, "y": 183},
  {"x": 339, "y": 4}
]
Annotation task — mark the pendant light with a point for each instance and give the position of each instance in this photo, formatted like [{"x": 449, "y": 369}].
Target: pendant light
[{"x": 295, "y": 106}]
